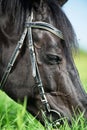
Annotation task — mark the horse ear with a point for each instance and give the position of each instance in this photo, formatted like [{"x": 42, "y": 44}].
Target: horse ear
[{"x": 62, "y": 2}]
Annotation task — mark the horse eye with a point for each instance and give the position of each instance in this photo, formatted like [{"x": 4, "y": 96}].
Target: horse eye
[{"x": 54, "y": 59}]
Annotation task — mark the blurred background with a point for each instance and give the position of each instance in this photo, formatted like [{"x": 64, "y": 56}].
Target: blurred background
[{"x": 76, "y": 10}]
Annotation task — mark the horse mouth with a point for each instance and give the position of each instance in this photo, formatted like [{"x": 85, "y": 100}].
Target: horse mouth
[
  {"x": 56, "y": 115},
  {"x": 56, "y": 119}
]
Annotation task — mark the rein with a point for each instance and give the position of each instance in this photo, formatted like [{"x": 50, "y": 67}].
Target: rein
[{"x": 35, "y": 71}]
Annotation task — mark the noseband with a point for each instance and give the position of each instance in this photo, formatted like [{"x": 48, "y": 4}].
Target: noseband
[{"x": 35, "y": 71}]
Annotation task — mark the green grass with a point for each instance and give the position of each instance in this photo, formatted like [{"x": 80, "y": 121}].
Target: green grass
[
  {"x": 81, "y": 63},
  {"x": 15, "y": 117}
]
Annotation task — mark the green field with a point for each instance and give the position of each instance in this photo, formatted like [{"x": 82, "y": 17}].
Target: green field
[
  {"x": 81, "y": 63},
  {"x": 15, "y": 117}
]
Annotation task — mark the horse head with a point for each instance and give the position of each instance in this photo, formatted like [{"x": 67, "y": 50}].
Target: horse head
[{"x": 59, "y": 77}]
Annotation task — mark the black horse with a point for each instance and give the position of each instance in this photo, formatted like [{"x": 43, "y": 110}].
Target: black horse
[{"x": 41, "y": 67}]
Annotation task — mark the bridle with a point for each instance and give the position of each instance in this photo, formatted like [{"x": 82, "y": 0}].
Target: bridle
[{"x": 35, "y": 71}]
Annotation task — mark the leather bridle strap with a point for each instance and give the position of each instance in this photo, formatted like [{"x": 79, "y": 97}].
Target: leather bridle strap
[
  {"x": 13, "y": 59},
  {"x": 46, "y": 26},
  {"x": 35, "y": 71}
]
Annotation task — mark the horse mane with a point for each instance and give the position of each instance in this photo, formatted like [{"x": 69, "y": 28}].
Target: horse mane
[
  {"x": 18, "y": 9},
  {"x": 63, "y": 24}
]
